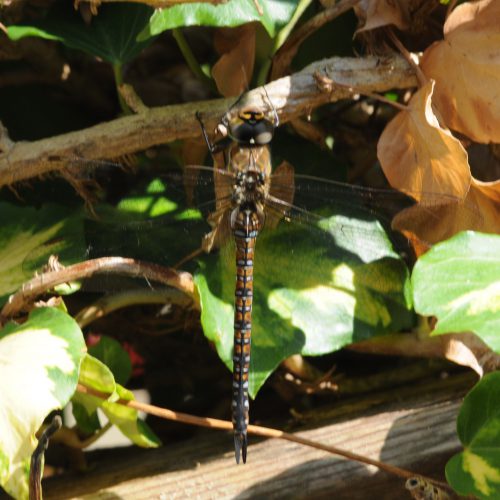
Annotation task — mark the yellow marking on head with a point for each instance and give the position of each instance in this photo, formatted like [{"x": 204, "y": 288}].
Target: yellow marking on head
[{"x": 251, "y": 114}]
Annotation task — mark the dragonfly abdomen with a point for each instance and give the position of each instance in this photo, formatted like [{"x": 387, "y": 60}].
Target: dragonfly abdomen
[{"x": 245, "y": 225}]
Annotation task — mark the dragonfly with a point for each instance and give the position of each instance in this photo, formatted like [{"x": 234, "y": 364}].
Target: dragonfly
[
  {"x": 250, "y": 199},
  {"x": 245, "y": 148}
]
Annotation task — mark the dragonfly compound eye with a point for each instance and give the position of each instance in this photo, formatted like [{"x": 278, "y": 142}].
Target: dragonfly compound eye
[{"x": 252, "y": 133}]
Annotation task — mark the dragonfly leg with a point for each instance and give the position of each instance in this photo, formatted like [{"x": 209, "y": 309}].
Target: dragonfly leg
[
  {"x": 216, "y": 147},
  {"x": 276, "y": 118},
  {"x": 204, "y": 132}
]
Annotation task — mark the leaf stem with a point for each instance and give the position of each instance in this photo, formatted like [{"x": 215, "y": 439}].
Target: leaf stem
[
  {"x": 280, "y": 39},
  {"x": 118, "y": 74},
  {"x": 190, "y": 59},
  {"x": 286, "y": 30}
]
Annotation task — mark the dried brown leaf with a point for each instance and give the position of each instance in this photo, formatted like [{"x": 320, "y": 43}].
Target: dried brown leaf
[
  {"x": 464, "y": 349},
  {"x": 466, "y": 67},
  {"x": 233, "y": 70},
  {"x": 467, "y": 349},
  {"x": 377, "y": 13},
  {"x": 420, "y": 157},
  {"x": 479, "y": 211}
]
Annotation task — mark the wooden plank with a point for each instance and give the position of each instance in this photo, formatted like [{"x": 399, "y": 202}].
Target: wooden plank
[{"x": 416, "y": 433}]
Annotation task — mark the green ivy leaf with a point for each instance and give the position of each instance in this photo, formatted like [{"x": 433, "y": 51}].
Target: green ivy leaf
[
  {"x": 313, "y": 293},
  {"x": 29, "y": 236},
  {"x": 476, "y": 470},
  {"x": 111, "y": 35},
  {"x": 114, "y": 356},
  {"x": 459, "y": 282},
  {"x": 276, "y": 13},
  {"x": 88, "y": 423},
  {"x": 96, "y": 375},
  {"x": 39, "y": 363}
]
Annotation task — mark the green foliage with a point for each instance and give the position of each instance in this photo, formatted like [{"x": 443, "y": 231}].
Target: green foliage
[
  {"x": 29, "y": 236},
  {"x": 476, "y": 470},
  {"x": 111, "y": 35},
  {"x": 458, "y": 281},
  {"x": 39, "y": 372},
  {"x": 113, "y": 355},
  {"x": 96, "y": 375},
  {"x": 315, "y": 290},
  {"x": 146, "y": 224},
  {"x": 276, "y": 13},
  {"x": 330, "y": 291}
]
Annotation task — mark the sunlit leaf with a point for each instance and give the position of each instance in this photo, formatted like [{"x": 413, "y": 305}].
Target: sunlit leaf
[
  {"x": 39, "y": 363},
  {"x": 476, "y": 470},
  {"x": 233, "y": 13},
  {"x": 422, "y": 158},
  {"x": 466, "y": 68},
  {"x": 313, "y": 299},
  {"x": 458, "y": 281},
  {"x": 29, "y": 236},
  {"x": 96, "y": 375},
  {"x": 418, "y": 155}
]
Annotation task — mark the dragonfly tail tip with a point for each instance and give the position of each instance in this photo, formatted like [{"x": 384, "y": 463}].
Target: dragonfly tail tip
[{"x": 240, "y": 446}]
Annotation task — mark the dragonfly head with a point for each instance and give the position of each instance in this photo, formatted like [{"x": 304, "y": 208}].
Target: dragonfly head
[{"x": 250, "y": 127}]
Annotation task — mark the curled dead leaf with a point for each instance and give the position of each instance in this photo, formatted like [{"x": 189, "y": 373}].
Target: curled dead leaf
[
  {"x": 233, "y": 71},
  {"x": 373, "y": 14},
  {"x": 464, "y": 349},
  {"x": 466, "y": 68},
  {"x": 479, "y": 211},
  {"x": 420, "y": 157},
  {"x": 467, "y": 349},
  {"x": 423, "y": 159}
]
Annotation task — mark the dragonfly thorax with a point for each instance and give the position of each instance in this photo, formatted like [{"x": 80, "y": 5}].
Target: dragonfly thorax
[{"x": 249, "y": 190}]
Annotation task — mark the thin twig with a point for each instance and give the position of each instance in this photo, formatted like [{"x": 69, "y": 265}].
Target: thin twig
[
  {"x": 257, "y": 430},
  {"x": 422, "y": 79},
  {"x": 117, "y": 265},
  {"x": 37, "y": 459}
]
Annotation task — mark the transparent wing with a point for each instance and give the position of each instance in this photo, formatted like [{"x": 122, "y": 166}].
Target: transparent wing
[{"x": 170, "y": 216}]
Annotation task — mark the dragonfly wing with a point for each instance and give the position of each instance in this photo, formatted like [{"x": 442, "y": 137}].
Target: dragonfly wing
[
  {"x": 363, "y": 238},
  {"x": 282, "y": 188},
  {"x": 221, "y": 229}
]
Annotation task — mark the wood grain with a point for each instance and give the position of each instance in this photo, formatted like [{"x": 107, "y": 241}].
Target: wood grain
[{"x": 416, "y": 433}]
